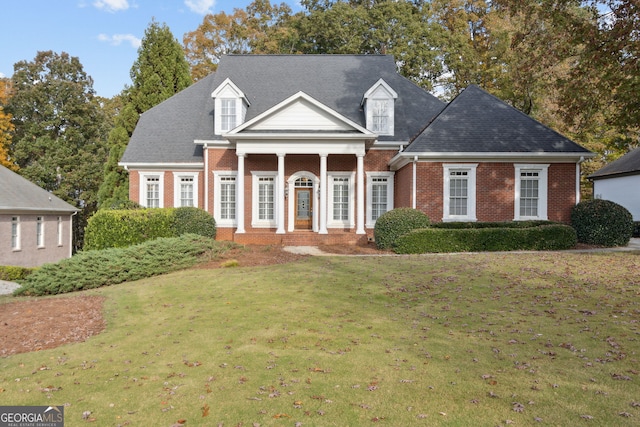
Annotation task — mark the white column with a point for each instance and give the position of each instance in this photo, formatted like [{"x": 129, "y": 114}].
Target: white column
[
  {"x": 360, "y": 195},
  {"x": 240, "y": 194},
  {"x": 323, "y": 194},
  {"x": 280, "y": 195}
]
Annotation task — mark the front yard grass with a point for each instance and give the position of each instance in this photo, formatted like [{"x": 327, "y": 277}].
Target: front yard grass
[{"x": 436, "y": 340}]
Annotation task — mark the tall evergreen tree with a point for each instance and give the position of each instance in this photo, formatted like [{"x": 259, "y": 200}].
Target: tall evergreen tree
[
  {"x": 59, "y": 141},
  {"x": 159, "y": 72}
]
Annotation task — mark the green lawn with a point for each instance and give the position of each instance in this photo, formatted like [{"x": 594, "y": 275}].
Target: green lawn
[{"x": 434, "y": 340}]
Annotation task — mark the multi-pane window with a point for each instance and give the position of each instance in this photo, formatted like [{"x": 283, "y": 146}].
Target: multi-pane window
[
  {"x": 15, "y": 232},
  {"x": 458, "y": 193},
  {"x": 340, "y": 199},
  {"x": 266, "y": 198},
  {"x": 153, "y": 192},
  {"x": 529, "y": 196},
  {"x": 39, "y": 231},
  {"x": 228, "y": 197},
  {"x": 380, "y": 116},
  {"x": 228, "y": 114},
  {"x": 531, "y": 191},
  {"x": 379, "y": 197},
  {"x": 186, "y": 191}
]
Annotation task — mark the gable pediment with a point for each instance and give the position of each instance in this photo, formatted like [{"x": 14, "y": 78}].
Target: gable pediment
[{"x": 300, "y": 113}]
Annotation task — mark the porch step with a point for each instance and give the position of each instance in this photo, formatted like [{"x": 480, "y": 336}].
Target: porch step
[{"x": 300, "y": 238}]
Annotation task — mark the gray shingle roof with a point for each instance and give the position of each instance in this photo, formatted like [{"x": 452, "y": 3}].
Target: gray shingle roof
[
  {"x": 166, "y": 133},
  {"x": 629, "y": 164},
  {"x": 19, "y": 194},
  {"x": 477, "y": 122}
]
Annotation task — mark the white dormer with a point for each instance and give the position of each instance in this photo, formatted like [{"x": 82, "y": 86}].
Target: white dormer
[
  {"x": 230, "y": 107},
  {"x": 379, "y": 106}
]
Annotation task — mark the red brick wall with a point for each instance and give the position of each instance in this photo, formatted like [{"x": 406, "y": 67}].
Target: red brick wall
[
  {"x": 562, "y": 191},
  {"x": 169, "y": 183},
  {"x": 495, "y": 191}
]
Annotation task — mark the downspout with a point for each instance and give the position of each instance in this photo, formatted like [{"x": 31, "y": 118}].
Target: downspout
[
  {"x": 206, "y": 177},
  {"x": 415, "y": 181},
  {"x": 578, "y": 179}
]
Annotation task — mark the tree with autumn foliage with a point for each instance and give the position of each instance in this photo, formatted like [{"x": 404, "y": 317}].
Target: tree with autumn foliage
[
  {"x": 6, "y": 127},
  {"x": 262, "y": 28}
]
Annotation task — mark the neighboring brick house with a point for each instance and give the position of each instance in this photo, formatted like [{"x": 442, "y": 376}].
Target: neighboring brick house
[
  {"x": 35, "y": 226},
  {"x": 619, "y": 181},
  {"x": 309, "y": 149}
]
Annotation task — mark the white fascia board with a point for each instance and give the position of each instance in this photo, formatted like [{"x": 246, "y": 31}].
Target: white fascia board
[
  {"x": 212, "y": 142},
  {"x": 292, "y": 99},
  {"x": 295, "y": 147},
  {"x": 403, "y": 158},
  {"x": 162, "y": 166},
  {"x": 306, "y": 137},
  {"x": 232, "y": 85}
]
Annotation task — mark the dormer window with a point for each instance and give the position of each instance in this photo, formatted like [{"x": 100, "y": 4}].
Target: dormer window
[
  {"x": 227, "y": 114},
  {"x": 379, "y": 105},
  {"x": 230, "y": 107}
]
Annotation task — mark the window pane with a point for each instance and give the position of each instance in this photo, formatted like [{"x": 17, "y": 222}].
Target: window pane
[
  {"x": 186, "y": 191},
  {"x": 39, "y": 231},
  {"x": 228, "y": 114},
  {"x": 15, "y": 232},
  {"x": 341, "y": 199},
  {"x": 266, "y": 201},
  {"x": 228, "y": 197},
  {"x": 380, "y": 116},
  {"x": 153, "y": 192},
  {"x": 378, "y": 197},
  {"x": 458, "y": 193},
  {"x": 529, "y": 194}
]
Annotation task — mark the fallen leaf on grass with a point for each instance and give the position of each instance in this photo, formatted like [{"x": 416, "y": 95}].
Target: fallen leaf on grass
[
  {"x": 278, "y": 416},
  {"x": 205, "y": 410}
]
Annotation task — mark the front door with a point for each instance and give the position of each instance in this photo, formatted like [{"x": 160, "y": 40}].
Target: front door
[{"x": 303, "y": 209}]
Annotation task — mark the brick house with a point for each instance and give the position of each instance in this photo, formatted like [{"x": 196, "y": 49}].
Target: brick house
[
  {"x": 35, "y": 226},
  {"x": 310, "y": 149}
]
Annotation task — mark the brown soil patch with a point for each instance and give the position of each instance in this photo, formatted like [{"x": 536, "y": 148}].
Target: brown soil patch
[{"x": 39, "y": 324}]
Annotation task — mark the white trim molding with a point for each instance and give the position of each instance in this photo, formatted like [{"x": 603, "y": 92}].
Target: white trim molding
[
  {"x": 465, "y": 172},
  {"x": 537, "y": 173},
  {"x": 379, "y": 178},
  {"x": 177, "y": 181},
  {"x": 144, "y": 180}
]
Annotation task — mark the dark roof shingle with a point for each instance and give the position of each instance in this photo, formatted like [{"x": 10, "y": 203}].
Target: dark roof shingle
[
  {"x": 629, "y": 164},
  {"x": 478, "y": 122},
  {"x": 20, "y": 194}
]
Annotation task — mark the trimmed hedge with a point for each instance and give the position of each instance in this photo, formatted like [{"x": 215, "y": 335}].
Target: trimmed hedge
[
  {"x": 93, "y": 269},
  {"x": 430, "y": 240},
  {"x": 500, "y": 224},
  {"x": 396, "y": 222},
  {"x": 13, "y": 273},
  {"x": 602, "y": 222},
  {"x": 636, "y": 229},
  {"x": 123, "y": 228}
]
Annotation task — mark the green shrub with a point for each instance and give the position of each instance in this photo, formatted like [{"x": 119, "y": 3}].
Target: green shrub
[
  {"x": 501, "y": 224},
  {"x": 92, "y": 269},
  {"x": 14, "y": 273},
  {"x": 189, "y": 220},
  {"x": 602, "y": 222},
  {"x": 430, "y": 240},
  {"x": 395, "y": 223},
  {"x": 122, "y": 228}
]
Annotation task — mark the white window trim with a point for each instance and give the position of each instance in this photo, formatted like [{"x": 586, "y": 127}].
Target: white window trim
[
  {"x": 18, "y": 245},
  {"x": 143, "y": 187},
  {"x": 471, "y": 192},
  {"x": 380, "y": 91},
  {"x": 370, "y": 176},
  {"x": 228, "y": 90},
  {"x": 40, "y": 236},
  {"x": 59, "y": 227},
  {"x": 543, "y": 189},
  {"x": 177, "y": 176},
  {"x": 255, "y": 222},
  {"x": 217, "y": 202},
  {"x": 350, "y": 222}
]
